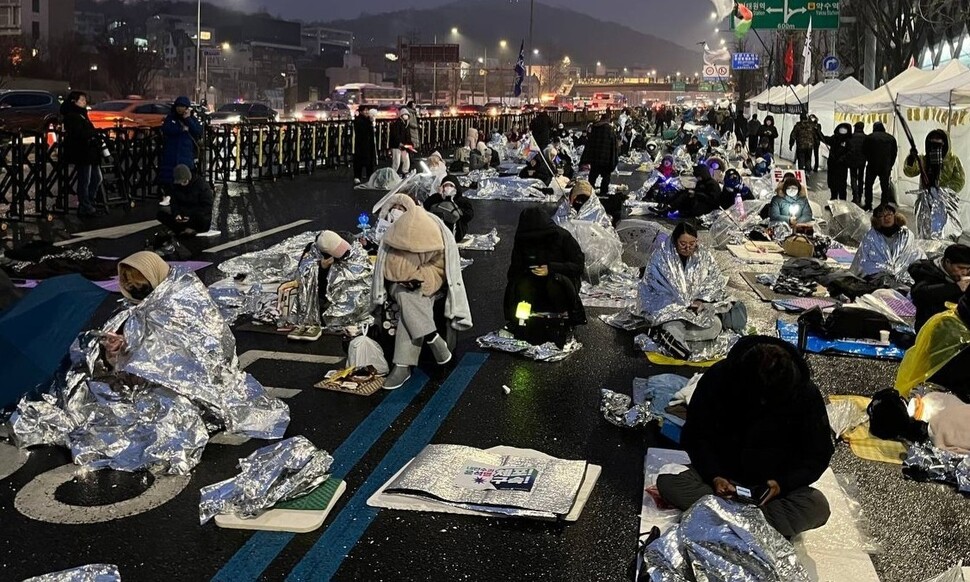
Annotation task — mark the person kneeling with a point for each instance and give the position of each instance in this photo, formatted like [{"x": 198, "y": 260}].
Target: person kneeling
[
  {"x": 417, "y": 258},
  {"x": 757, "y": 432},
  {"x": 451, "y": 206},
  {"x": 191, "y": 207},
  {"x": 545, "y": 272}
]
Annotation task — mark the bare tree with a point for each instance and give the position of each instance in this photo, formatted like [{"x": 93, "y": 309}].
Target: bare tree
[
  {"x": 66, "y": 61},
  {"x": 552, "y": 77},
  {"x": 130, "y": 71}
]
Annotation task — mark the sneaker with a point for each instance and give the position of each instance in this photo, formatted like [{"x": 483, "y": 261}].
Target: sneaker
[
  {"x": 311, "y": 333},
  {"x": 297, "y": 333},
  {"x": 439, "y": 348},
  {"x": 398, "y": 376},
  {"x": 165, "y": 201},
  {"x": 356, "y": 181}
]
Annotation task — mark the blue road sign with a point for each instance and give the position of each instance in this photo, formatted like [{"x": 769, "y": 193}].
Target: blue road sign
[{"x": 745, "y": 61}]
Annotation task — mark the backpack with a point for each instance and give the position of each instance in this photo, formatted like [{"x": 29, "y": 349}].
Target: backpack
[
  {"x": 889, "y": 419},
  {"x": 447, "y": 211},
  {"x": 856, "y": 323}
]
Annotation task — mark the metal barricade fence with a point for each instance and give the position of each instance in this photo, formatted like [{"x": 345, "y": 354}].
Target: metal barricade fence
[{"x": 35, "y": 182}]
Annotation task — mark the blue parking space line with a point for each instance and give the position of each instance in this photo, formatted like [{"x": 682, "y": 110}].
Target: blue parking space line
[
  {"x": 251, "y": 560},
  {"x": 325, "y": 557}
]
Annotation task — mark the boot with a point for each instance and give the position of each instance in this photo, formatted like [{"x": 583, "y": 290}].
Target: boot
[
  {"x": 398, "y": 376},
  {"x": 439, "y": 349}
]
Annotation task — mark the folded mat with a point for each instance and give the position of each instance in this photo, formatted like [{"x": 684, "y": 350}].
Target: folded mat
[{"x": 820, "y": 345}]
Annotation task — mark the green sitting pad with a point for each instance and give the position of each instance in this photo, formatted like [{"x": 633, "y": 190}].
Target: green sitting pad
[{"x": 316, "y": 500}]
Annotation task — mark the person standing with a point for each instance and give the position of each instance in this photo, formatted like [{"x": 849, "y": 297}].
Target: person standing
[
  {"x": 541, "y": 128},
  {"x": 939, "y": 168},
  {"x": 880, "y": 150},
  {"x": 754, "y": 130},
  {"x": 82, "y": 148},
  {"x": 601, "y": 154},
  {"x": 839, "y": 155},
  {"x": 857, "y": 161},
  {"x": 365, "y": 145},
  {"x": 400, "y": 142},
  {"x": 818, "y": 139},
  {"x": 471, "y": 138},
  {"x": 181, "y": 132},
  {"x": 741, "y": 128},
  {"x": 802, "y": 140}
]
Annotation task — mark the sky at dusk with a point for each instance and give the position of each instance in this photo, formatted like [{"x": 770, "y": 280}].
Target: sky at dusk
[{"x": 685, "y": 22}]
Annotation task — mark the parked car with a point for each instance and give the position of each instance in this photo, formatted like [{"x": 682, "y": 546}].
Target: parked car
[
  {"x": 428, "y": 110},
  {"x": 243, "y": 113},
  {"x": 129, "y": 113},
  {"x": 28, "y": 110},
  {"x": 468, "y": 109},
  {"x": 387, "y": 111},
  {"x": 495, "y": 108},
  {"x": 326, "y": 111}
]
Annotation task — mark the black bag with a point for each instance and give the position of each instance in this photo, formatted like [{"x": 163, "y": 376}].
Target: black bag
[
  {"x": 847, "y": 284},
  {"x": 476, "y": 161},
  {"x": 168, "y": 247},
  {"x": 856, "y": 323},
  {"x": 889, "y": 419},
  {"x": 448, "y": 212}
]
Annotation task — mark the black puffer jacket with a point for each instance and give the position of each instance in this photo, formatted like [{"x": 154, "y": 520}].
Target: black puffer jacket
[
  {"x": 750, "y": 435},
  {"x": 880, "y": 148},
  {"x": 601, "y": 150},
  {"x": 82, "y": 144},
  {"x": 768, "y": 133},
  {"x": 400, "y": 134},
  {"x": 365, "y": 146},
  {"x": 541, "y": 128},
  {"x": 193, "y": 200},
  {"x": 538, "y": 241},
  {"x": 857, "y": 156},
  {"x": 839, "y": 152},
  {"x": 460, "y": 227},
  {"x": 932, "y": 289}
]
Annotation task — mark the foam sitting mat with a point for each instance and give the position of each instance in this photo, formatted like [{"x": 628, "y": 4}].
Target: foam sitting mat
[
  {"x": 836, "y": 552},
  {"x": 820, "y": 345},
  {"x": 662, "y": 360},
  {"x": 301, "y": 515}
]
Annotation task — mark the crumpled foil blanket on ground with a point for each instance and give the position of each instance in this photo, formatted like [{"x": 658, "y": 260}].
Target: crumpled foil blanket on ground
[
  {"x": 715, "y": 350},
  {"x": 511, "y": 188},
  {"x": 480, "y": 242},
  {"x": 504, "y": 341},
  {"x": 618, "y": 409},
  {"x": 274, "y": 473},
  {"x": 178, "y": 381},
  {"x": 272, "y": 265},
  {"x": 349, "y": 289},
  {"x": 719, "y": 540},
  {"x": 925, "y": 462},
  {"x": 89, "y": 573}
]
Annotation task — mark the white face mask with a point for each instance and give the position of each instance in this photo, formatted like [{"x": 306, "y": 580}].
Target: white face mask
[
  {"x": 394, "y": 214},
  {"x": 792, "y": 192},
  {"x": 448, "y": 191},
  {"x": 843, "y": 132}
]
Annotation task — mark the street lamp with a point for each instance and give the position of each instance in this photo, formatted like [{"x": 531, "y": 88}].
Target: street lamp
[
  {"x": 226, "y": 46},
  {"x": 503, "y": 44},
  {"x": 454, "y": 30},
  {"x": 535, "y": 51}
]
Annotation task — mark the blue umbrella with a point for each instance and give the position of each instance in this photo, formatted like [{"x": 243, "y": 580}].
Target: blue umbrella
[{"x": 36, "y": 333}]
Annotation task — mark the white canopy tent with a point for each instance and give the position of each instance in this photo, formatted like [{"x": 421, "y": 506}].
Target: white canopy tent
[
  {"x": 877, "y": 105},
  {"x": 800, "y": 95},
  {"x": 823, "y": 104}
]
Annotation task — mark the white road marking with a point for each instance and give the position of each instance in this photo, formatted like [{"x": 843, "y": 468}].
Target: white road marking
[
  {"x": 113, "y": 232},
  {"x": 256, "y": 236},
  {"x": 11, "y": 459}
]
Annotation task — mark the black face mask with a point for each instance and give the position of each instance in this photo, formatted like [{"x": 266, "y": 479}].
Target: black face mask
[
  {"x": 140, "y": 292},
  {"x": 578, "y": 203}
]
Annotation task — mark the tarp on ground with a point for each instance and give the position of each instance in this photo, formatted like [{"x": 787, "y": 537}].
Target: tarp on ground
[{"x": 36, "y": 333}]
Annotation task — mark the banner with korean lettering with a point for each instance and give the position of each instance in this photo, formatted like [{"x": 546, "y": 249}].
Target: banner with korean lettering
[{"x": 793, "y": 14}]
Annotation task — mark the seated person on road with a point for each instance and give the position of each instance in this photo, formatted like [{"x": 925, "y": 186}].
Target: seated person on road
[
  {"x": 734, "y": 189},
  {"x": 702, "y": 199},
  {"x": 790, "y": 205},
  {"x": 939, "y": 281},
  {"x": 941, "y": 354},
  {"x": 887, "y": 250},
  {"x": 451, "y": 206},
  {"x": 417, "y": 260},
  {"x": 305, "y": 314},
  {"x": 757, "y": 421},
  {"x": 190, "y": 211},
  {"x": 683, "y": 293},
  {"x": 546, "y": 269},
  {"x": 536, "y": 169},
  {"x": 694, "y": 146}
]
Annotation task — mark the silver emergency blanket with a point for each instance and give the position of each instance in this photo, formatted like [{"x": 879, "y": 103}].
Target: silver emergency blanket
[
  {"x": 480, "y": 242},
  {"x": 593, "y": 230},
  {"x": 706, "y": 134},
  {"x": 514, "y": 486},
  {"x": 683, "y": 162},
  {"x": 272, "y": 265},
  {"x": 614, "y": 289},
  {"x": 504, "y": 341},
  {"x": 274, "y": 473},
  {"x": 177, "y": 339},
  {"x": 421, "y": 186},
  {"x": 349, "y": 288},
  {"x": 668, "y": 287},
  {"x": 715, "y": 349},
  {"x": 719, "y": 540},
  {"x": 478, "y": 176},
  {"x": 89, "y": 573},
  {"x": 305, "y": 306},
  {"x": 925, "y": 462},
  {"x": 618, "y": 409},
  {"x": 510, "y": 188},
  {"x": 844, "y": 416},
  {"x": 235, "y": 300},
  {"x": 763, "y": 187},
  {"x": 730, "y": 227},
  {"x": 849, "y": 223},
  {"x": 879, "y": 254},
  {"x": 40, "y": 422},
  {"x": 938, "y": 214},
  {"x": 382, "y": 179}
]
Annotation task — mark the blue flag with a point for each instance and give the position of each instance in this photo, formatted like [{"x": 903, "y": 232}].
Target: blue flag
[{"x": 519, "y": 70}]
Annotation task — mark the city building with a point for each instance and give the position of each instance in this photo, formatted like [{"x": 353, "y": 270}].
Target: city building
[
  {"x": 37, "y": 21},
  {"x": 329, "y": 44},
  {"x": 89, "y": 26}
]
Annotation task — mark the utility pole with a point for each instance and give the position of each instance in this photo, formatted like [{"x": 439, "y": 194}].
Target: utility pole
[{"x": 532, "y": 11}]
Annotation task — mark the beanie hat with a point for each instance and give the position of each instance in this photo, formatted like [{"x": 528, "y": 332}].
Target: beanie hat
[
  {"x": 332, "y": 244},
  {"x": 182, "y": 101},
  {"x": 581, "y": 188},
  {"x": 181, "y": 173},
  {"x": 957, "y": 253}
]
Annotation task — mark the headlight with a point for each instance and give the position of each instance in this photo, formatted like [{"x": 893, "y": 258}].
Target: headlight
[{"x": 233, "y": 119}]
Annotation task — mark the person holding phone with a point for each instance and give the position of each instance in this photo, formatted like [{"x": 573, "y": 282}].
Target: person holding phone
[
  {"x": 757, "y": 432},
  {"x": 181, "y": 132}
]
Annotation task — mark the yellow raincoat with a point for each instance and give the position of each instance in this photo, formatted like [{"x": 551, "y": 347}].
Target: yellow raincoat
[{"x": 941, "y": 338}]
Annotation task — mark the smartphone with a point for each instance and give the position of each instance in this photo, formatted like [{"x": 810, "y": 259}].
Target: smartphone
[{"x": 753, "y": 495}]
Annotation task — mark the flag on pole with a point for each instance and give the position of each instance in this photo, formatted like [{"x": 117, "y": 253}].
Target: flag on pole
[
  {"x": 743, "y": 17},
  {"x": 807, "y": 54},
  {"x": 789, "y": 62},
  {"x": 519, "y": 71}
]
